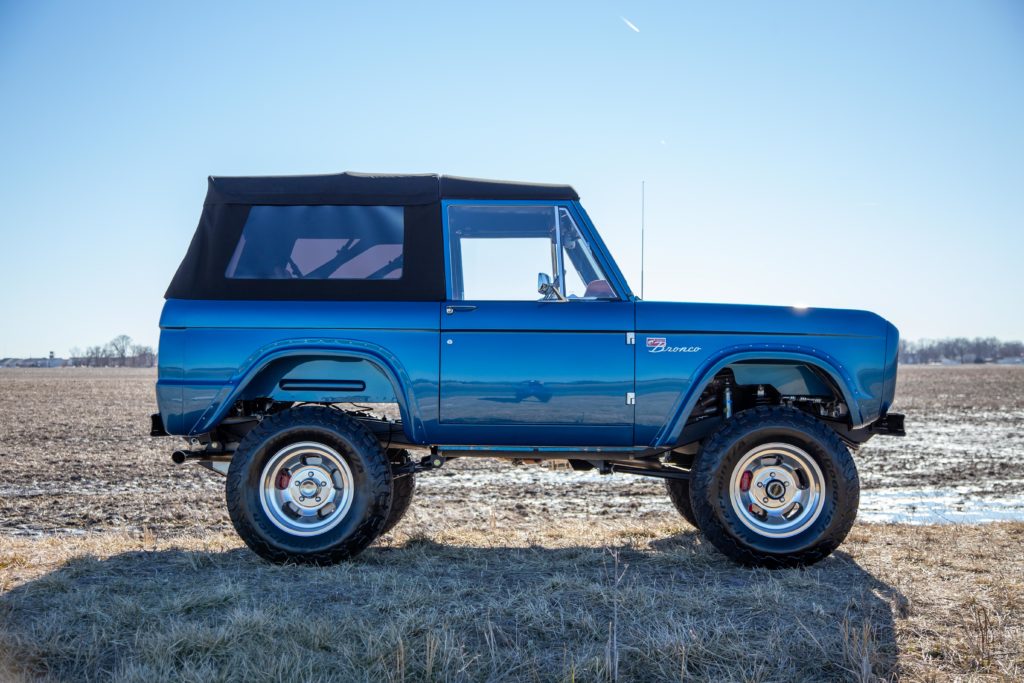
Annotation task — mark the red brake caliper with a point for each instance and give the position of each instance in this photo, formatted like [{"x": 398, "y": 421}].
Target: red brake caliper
[
  {"x": 745, "y": 486},
  {"x": 283, "y": 479}
]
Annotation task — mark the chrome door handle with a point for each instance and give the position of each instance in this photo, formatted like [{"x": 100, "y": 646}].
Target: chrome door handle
[{"x": 459, "y": 309}]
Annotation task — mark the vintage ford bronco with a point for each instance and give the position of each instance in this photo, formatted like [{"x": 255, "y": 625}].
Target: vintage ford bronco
[{"x": 492, "y": 318}]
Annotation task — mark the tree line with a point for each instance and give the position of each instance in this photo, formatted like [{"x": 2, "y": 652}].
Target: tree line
[
  {"x": 119, "y": 352},
  {"x": 960, "y": 350}
]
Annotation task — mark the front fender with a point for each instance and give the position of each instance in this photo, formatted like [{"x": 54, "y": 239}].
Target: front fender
[
  {"x": 317, "y": 349},
  {"x": 706, "y": 371}
]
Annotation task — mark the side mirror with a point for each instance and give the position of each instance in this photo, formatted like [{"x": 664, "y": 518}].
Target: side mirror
[
  {"x": 543, "y": 284},
  {"x": 548, "y": 290}
]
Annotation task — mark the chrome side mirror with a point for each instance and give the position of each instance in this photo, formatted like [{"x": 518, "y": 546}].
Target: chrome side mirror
[
  {"x": 543, "y": 283},
  {"x": 548, "y": 290}
]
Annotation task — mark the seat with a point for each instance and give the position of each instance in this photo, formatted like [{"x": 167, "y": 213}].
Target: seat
[{"x": 599, "y": 289}]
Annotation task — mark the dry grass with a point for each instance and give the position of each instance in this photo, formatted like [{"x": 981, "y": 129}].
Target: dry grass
[{"x": 565, "y": 600}]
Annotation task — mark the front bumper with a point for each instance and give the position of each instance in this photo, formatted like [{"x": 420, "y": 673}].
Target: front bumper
[{"x": 890, "y": 425}]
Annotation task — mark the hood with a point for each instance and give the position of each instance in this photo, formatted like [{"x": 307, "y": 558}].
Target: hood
[{"x": 654, "y": 316}]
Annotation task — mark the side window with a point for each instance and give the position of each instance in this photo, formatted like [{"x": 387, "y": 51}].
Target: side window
[
  {"x": 320, "y": 243},
  {"x": 497, "y": 252}
]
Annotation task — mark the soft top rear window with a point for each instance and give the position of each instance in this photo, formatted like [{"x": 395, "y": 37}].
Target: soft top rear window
[{"x": 324, "y": 242}]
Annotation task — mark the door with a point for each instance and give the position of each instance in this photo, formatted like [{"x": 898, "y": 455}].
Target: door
[{"x": 534, "y": 343}]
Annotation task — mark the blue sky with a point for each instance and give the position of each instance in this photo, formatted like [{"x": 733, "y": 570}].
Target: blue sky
[{"x": 862, "y": 155}]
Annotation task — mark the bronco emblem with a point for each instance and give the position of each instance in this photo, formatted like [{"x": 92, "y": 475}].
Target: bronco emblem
[{"x": 660, "y": 345}]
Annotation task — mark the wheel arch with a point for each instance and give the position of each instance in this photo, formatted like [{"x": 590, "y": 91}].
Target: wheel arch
[
  {"x": 750, "y": 354},
  {"x": 320, "y": 371}
]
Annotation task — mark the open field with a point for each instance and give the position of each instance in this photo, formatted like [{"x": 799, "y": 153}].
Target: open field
[
  {"x": 114, "y": 563},
  {"x": 74, "y": 455}
]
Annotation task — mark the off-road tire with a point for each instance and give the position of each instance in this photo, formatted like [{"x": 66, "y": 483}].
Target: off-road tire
[
  {"x": 710, "y": 488},
  {"x": 371, "y": 473},
  {"x": 403, "y": 488},
  {"x": 679, "y": 493}
]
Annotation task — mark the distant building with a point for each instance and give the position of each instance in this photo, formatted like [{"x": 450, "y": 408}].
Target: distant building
[{"x": 50, "y": 362}]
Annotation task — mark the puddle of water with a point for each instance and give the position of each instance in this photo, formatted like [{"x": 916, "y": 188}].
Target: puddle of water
[
  {"x": 905, "y": 505},
  {"x": 961, "y": 505}
]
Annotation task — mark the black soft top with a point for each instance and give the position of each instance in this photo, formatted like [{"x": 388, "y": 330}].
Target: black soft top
[
  {"x": 229, "y": 201},
  {"x": 370, "y": 189}
]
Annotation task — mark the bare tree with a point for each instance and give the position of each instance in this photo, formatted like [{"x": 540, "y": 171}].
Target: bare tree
[
  {"x": 142, "y": 356},
  {"x": 120, "y": 345},
  {"x": 1011, "y": 349},
  {"x": 959, "y": 347},
  {"x": 94, "y": 356},
  {"x": 978, "y": 350}
]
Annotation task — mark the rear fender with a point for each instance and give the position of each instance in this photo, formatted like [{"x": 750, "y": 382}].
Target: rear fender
[
  {"x": 321, "y": 379},
  {"x": 829, "y": 366},
  {"x": 319, "y": 371}
]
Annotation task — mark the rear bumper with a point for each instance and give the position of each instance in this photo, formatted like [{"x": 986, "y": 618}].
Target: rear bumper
[{"x": 156, "y": 427}]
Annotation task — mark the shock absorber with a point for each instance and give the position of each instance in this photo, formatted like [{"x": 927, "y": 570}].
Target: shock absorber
[{"x": 727, "y": 396}]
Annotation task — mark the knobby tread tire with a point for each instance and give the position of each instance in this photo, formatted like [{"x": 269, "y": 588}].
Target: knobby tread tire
[
  {"x": 712, "y": 469},
  {"x": 402, "y": 491},
  {"x": 371, "y": 472},
  {"x": 679, "y": 494}
]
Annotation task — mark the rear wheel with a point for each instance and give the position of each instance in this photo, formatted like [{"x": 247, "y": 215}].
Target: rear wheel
[
  {"x": 309, "y": 485},
  {"x": 774, "y": 487},
  {"x": 679, "y": 493},
  {"x": 403, "y": 488}
]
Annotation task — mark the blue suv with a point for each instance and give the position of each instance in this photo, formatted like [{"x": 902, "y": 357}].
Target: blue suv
[{"x": 492, "y": 318}]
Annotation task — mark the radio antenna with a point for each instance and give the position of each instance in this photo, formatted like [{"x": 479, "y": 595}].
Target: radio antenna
[{"x": 643, "y": 206}]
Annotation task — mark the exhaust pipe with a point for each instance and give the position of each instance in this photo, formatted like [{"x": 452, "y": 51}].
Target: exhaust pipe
[{"x": 179, "y": 457}]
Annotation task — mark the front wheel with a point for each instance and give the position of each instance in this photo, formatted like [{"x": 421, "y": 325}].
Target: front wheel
[
  {"x": 309, "y": 485},
  {"x": 775, "y": 487}
]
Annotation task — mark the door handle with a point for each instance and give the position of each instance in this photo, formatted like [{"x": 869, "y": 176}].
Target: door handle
[{"x": 459, "y": 309}]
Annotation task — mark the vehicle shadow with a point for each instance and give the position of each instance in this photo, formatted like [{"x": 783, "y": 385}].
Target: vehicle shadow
[{"x": 419, "y": 609}]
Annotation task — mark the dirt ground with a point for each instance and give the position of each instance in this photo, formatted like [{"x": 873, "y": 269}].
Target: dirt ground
[
  {"x": 965, "y": 427},
  {"x": 75, "y": 455}
]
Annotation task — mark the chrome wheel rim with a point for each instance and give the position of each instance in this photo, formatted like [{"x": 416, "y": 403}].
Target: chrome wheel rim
[
  {"x": 306, "y": 488},
  {"x": 777, "y": 490}
]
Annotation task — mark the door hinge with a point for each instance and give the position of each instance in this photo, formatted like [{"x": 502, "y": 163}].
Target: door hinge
[
  {"x": 631, "y": 338},
  {"x": 630, "y": 398}
]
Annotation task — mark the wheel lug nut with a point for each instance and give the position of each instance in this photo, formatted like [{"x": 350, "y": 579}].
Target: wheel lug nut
[
  {"x": 318, "y": 499},
  {"x": 760, "y": 484},
  {"x": 765, "y": 499}
]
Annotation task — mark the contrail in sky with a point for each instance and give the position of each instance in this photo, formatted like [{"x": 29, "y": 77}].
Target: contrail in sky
[{"x": 630, "y": 24}]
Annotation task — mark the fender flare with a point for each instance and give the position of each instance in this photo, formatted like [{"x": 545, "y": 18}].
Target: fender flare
[
  {"x": 707, "y": 370},
  {"x": 321, "y": 348}
]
